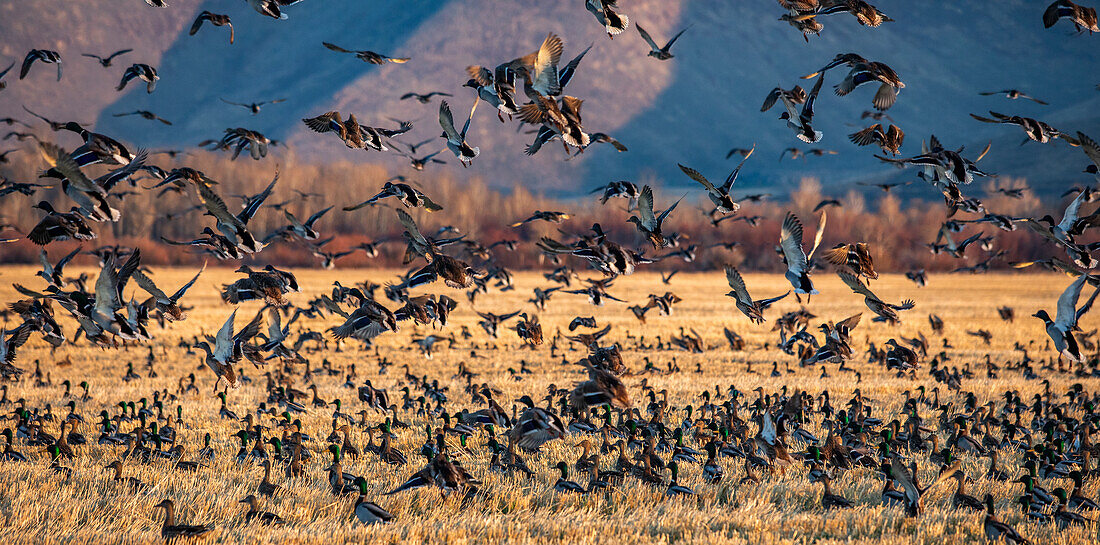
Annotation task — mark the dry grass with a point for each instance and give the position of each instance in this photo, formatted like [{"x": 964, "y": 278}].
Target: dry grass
[{"x": 40, "y": 506}]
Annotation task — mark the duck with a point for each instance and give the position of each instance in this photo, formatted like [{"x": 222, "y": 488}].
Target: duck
[
  {"x": 829, "y": 500},
  {"x": 888, "y": 140},
  {"x": 1083, "y": 18},
  {"x": 45, "y": 56},
  {"x": 266, "y": 487},
  {"x": 215, "y": 19},
  {"x": 674, "y": 488},
  {"x": 456, "y": 141},
  {"x": 798, "y": 268},
  {"x": 443, "y": 473},
  {"x": 254, "y": 514},
  {"x": 649, "y": 224},
  {"x": 171, "y": 531},
  {"x": 604, "y": 11},
  {"x": 144, "y": 72},
  {"x": 272, "y": 8},
  {"x": 1060, "y": 330},
  {"x": 996, "y": 530},
  {"x": 130, "y": 482},
  {"x": 59, "y": 226},
  {"x": 89, "y": 196},
  {"x": 228, "y": 349},
  {"x": 659, "y": 53},
  {"x": 563, "y": 483},
  {"x": 1063, "y": 516},
  {"x": 234, "y": 227},
  {"x": 887, "y": 311},
  {"x": 366, "y": 511},
  {"x": 720, "y": 196},
  {"x": 106, "y": 62},
  {"x": 754, "y": 310},
  {"x": 369, "y": 57},
  {"x": 801, "y": 121}
]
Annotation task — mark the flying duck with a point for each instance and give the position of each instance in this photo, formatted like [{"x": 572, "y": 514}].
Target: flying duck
[
  {"x": 745, "y": 303},
  {"x": 368, "y": 56},
  {"x": 46, "y": 56},
  {"x": 655, "y": 51},
  {"x": 215, "y": 19},
  {"x": 143, "y": 72}
]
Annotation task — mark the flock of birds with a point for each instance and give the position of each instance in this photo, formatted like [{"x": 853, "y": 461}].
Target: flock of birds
[{"x": 763, "y": 432}]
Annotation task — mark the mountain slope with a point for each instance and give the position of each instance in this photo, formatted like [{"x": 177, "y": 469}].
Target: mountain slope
[{"x": 690, "y": 109}]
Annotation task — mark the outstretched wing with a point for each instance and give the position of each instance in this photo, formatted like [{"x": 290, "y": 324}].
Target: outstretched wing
[
  {"x": 647, "y": 38},
  {"x": 738, "y": 285},
  {"x": 695, "y": 175}
]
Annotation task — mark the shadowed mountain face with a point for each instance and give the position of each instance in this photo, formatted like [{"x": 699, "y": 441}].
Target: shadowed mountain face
[{"x": 691, "y": 109}]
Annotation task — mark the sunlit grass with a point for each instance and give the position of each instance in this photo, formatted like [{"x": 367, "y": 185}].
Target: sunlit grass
[{"x": 38, "y": 505}]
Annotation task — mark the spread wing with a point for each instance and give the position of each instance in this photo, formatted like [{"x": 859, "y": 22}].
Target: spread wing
[
  {"x": 647, "y": 38},
  {"x": 790, "y": 240},
  {"x": 856, "y": 284},
  {"x": 738, "y": 285},
  {"x": 223, "y": 345},
  {"x": 645, "y": 207},
  {"x": 818, "y": 235},
  {"x": 1067, "y": 303},
  {"x": 446, "y": 120},
  {"x": 695, "y": 175}
]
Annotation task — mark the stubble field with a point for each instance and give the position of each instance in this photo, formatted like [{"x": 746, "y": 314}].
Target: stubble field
[{"x": 38, "y": 505}]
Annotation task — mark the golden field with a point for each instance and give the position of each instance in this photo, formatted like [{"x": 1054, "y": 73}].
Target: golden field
[{"x": 39, "y": 506}]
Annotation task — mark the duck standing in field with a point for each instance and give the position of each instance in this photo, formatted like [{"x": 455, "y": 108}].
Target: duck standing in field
[{"x": 172, "y": 531}]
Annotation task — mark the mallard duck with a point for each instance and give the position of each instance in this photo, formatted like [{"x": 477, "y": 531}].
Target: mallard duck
[
  {"x": 235, "y": 226},
  {"x": 106, "y": 61},
  {"x": 91, "y": 197},
  {"x": 144, "y": 72},
  {"x": 801, "y": 121},
  {"x": 886, "y": 311},
  {"x": 170, "y": 530},
  {"x": 456, "y": 141},
  {"x": 1060, "y": 330},
  {"x": 228, "y": 349},
  {"x": 254, "y": 514},
  {"x": 59, "y": 226},
  {"x": 1063, "y": 516},
  {"x": 1036, "y": 130},
  {"x": 601, "y": 388},
  {"x": 995, "y": 529},
  {"x": 535, "y": 427},
  {"x": 129, "y": 482},
  {"x": 649, "y": 224},
  {"x": 368, "y": 56},
  {"x": 790, "y": 241},
  {"x": 674, "y": 488},
  {"x": 659, "y": 53},
  {"x": 45, "y": 56},
  {"x": 563, "y": 483},
  {"x": 368, "y": 512},
  {"x": 215, "y": 19},
  {"x": 745, "y": 303},
  {"x": 829, "y": 500},
  {"x": 888, "y": 140},
  {"x": 272, "y": 8},
  {"x": 443, "y": 473},
  {"x": 1083, "y": 18},
  {"x": 604, "y": 11},
  {"x": 408, "y": 195},
  {"x": 720, "y": 196}
]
